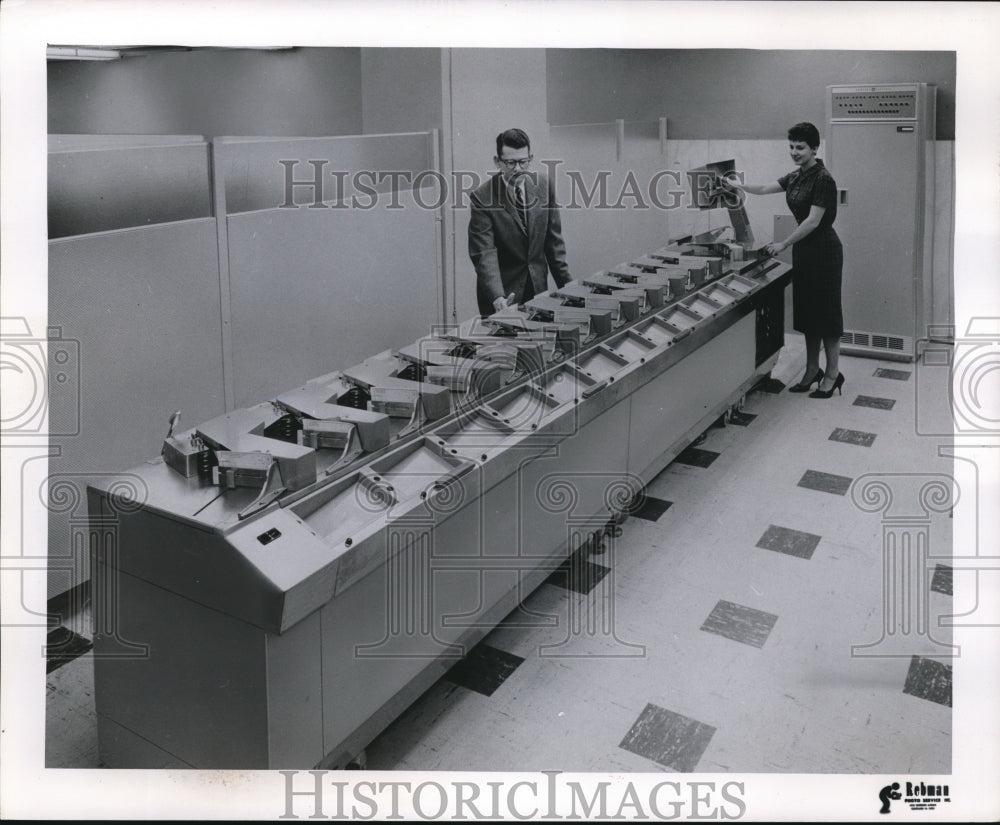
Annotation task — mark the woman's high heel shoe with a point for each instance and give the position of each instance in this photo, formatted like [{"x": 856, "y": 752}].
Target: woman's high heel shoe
[
  {"x": 803, "y": 386},
  {"x": 827, "y": 393}
]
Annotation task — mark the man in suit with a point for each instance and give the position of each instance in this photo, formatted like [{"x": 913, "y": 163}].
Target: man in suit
[{"x": 515, "y": 232}]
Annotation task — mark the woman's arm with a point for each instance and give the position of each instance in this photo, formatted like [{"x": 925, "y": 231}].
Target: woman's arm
[
  {"x": 808, "y": 225},
  {"x": 772, "y": 188}
]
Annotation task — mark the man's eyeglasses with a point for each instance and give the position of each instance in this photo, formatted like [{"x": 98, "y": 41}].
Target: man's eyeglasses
[{"x": 514, "y": 164}]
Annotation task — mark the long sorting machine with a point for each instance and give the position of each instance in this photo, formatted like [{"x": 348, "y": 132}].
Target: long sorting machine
[{"x": 283, "y": 580}]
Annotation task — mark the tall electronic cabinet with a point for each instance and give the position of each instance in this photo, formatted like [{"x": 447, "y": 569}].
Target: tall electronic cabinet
[{"x": 880, "y": 150}]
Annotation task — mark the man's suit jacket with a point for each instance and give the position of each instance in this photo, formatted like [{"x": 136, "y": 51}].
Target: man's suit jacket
[{"x": 503, "y": 253}]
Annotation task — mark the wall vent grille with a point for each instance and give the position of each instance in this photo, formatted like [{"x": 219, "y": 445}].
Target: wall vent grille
[{"x": 873, "y": 343}]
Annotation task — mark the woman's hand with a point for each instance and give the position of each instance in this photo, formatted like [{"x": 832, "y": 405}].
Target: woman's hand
[
  {"x": 730, "y": 184},
  {"x": 775, "y": 248}
]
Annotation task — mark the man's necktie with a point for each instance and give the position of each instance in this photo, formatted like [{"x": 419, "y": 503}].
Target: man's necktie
[
  {"x": 519, "y": 202},
  {"x": 528, "y": 290}
]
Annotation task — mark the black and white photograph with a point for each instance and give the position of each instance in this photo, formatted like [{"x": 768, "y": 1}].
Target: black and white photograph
[{"x": 500, "y": 411}]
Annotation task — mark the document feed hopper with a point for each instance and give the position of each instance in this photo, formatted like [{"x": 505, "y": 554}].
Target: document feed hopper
[{"x": 282, "y": 581}]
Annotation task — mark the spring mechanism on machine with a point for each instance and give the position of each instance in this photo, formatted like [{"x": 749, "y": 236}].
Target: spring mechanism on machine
[
  {"x": 413, "y": 372},
  {"x": 205, "y": 463},
  {"x": 355, "y": 397},
  {"x": 285, "y": 428}
]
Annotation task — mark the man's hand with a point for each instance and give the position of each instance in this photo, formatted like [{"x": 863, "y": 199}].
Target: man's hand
[{"x": 500, "y": 304}]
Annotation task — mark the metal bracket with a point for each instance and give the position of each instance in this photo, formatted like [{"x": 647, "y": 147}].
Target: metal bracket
[
  {"x": 348, "y": 455},
  {"x": 247, "y": 470},
  {"x": 417, "y": 419},
  {"x": 272, "y": 490},
  {"x": 332, "y": 434}
]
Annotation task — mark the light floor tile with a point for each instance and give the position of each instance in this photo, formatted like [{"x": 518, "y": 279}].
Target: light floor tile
[{"x": 70, "y": 719}]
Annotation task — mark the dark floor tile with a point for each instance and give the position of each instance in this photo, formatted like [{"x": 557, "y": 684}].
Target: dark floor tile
[
  {"x": 941, "y": 582},
  {"x": 897, "y": 375},
  {"x": 741, "y": 419},
  {"x": 930, "y": 680},
  {"x": 788, "y": 541},
  {"x": 668, "y": 738},
  {"x": 697, "y": 457},
  {"x": 649, "y": 508},
  {"x": 862, "y": 439},
  {"x": 739, "y": 623},
  {"x": 483, "y": 669},
  {"x": 771, "y": 385},
  {"x": 578, "y": 574},
  {"x": 825, "y": 482},
  {"x": 62, "y": 645},
  {"x": 874, "y": 403}
]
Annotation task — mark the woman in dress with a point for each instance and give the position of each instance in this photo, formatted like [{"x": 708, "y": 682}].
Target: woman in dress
[{"x": 817, "y": 258}]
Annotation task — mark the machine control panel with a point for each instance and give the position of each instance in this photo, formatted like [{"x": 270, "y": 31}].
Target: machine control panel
[{"x": 873, "y": 103}]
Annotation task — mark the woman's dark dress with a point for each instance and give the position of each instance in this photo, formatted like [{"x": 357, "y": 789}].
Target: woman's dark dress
[{"x": 818, "y": 259}]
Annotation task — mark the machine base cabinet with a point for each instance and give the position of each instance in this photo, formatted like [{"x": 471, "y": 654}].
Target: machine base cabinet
[{"x": 292, "y": 635}]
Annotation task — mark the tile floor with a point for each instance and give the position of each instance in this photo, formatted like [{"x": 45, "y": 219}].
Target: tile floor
[{"x": 712, "y": 632}]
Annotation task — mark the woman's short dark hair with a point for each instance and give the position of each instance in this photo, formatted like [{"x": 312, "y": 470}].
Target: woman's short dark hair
[
  {"x": 514, "y": 138},
  {"x": 805, "y": 132}
]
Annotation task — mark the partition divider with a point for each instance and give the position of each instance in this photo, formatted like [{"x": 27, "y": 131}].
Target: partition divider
[{"x": 225, "y": 300}]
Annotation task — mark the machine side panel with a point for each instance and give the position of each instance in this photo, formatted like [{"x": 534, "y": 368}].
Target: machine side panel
[
  {"x": 664, "y": 409},
  {"x": 294, "y": 696},
  {"x": 122, "y": 747},
  {"x": 200, "y": 693},
  {"x": 201, "y": 565}
]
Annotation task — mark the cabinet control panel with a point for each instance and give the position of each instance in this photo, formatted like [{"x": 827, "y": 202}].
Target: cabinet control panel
[{"x": 873, "y": 103}]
